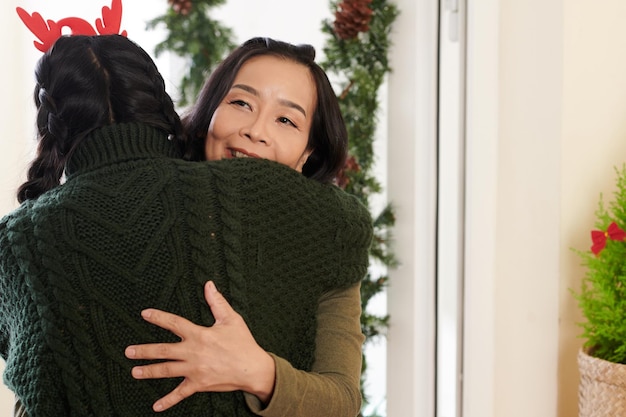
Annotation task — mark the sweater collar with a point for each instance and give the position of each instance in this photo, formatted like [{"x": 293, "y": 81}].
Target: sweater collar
[{"x": 118, "y": 143}]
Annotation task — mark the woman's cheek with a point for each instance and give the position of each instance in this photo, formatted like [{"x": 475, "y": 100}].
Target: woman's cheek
[{"x": 212, "y": 148}]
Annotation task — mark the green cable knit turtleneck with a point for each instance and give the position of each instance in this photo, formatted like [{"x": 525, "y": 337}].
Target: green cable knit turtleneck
[{"x": 135, "y": 227}]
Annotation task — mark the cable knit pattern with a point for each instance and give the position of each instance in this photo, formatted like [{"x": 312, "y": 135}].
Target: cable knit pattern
[{"x": 136, "y": 227}]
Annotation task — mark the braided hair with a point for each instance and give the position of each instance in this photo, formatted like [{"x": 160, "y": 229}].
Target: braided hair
[{"x": 87, "y": 82}]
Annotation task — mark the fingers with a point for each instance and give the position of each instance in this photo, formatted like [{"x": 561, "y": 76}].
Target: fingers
[
  {"x": 175, "y": 324},
  {"x": 154, "y": 351},
  {"x": 171, "y": 369},
  {"x": 178, "y": 325},
  {"x": 182, "y": 391},
  {"x": 220, "y": 308}
]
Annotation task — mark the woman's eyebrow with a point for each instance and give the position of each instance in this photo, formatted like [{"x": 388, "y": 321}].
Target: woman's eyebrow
[{"x": 284, "y": 102}]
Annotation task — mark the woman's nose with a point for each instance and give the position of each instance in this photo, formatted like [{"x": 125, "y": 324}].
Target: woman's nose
[{"x": 256, "y": 131}]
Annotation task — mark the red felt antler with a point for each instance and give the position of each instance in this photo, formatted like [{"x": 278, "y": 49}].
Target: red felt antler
[
  {"x": 49, "y": 31},
  {"x": 111, "y": 19},
  {"x": 46, "y": 33}
]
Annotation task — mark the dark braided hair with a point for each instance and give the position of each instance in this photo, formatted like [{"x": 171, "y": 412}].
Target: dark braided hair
[
  {"x": 87, "y": 82},
  {"x": 328, "y": 138}
]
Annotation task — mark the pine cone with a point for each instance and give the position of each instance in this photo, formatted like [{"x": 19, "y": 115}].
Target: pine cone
[
  {"x": 181, "y": 6},
  {"x": 352, "y": 17},
  {"x": 351, "y": 165}
]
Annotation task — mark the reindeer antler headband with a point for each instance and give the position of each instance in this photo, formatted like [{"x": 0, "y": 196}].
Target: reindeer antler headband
[{"x": 48, "y": 31}]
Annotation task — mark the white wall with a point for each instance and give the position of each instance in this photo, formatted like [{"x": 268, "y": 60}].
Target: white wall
[
  {"x": 515, "y": 103},
  {"x": 528, "y": 208},
  {"x": 15, "y": 109}
]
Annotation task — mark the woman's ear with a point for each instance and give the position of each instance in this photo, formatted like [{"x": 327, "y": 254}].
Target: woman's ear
[{"x": 303, "y": 159}]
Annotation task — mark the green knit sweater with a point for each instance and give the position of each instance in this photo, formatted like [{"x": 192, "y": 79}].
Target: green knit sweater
[{"x": 135, "y": 227}]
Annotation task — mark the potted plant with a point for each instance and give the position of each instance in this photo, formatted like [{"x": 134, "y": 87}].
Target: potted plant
[{"x": 602, "y": 300}]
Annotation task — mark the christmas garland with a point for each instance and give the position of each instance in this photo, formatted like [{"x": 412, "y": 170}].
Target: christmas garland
[
  {"x": 193, "y": 35},
  {"x": 356, "y": 51}
]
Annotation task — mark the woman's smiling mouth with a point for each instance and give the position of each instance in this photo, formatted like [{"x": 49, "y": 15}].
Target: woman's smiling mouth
[{"x": 240, "y": 153}]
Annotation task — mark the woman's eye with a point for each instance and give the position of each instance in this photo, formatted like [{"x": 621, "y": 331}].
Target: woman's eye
[
  {"x": 285, "y": 120},
  {"x": 239, "y": 103}
]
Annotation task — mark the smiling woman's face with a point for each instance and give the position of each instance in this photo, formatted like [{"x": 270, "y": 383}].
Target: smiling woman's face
[{"x": 266, "y": 114}]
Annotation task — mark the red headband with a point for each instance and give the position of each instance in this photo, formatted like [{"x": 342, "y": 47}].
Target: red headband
[{"x": 48, "y": 31}]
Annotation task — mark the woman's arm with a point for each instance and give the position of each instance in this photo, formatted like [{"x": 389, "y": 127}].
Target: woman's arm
[
  {"x": 332, "y": 388},
  {"x": 274, "y": 388},
  {"x": 223, "y": 357}
]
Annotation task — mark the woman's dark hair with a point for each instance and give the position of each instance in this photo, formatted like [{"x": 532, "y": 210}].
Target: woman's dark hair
[
  {"x": 87, "y": 82},
  {"x": 328, "y": 138}
]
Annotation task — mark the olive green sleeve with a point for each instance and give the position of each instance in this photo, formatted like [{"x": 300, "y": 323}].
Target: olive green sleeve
[{"x": 332, "y": 388}]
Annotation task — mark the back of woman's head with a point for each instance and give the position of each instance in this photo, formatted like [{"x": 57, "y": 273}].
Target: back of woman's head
[
  {"x": 328, "y": 138},
  {"x": 87, "y": 82}
]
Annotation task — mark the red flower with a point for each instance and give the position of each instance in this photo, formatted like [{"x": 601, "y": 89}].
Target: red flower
[{"x": 598, "y": 237}]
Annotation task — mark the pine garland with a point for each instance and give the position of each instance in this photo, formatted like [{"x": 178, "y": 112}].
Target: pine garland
[
  {"x": 193, "y": 35},
  {"x": 602, "y": 297},
  {"x": 356, "y": 52}
]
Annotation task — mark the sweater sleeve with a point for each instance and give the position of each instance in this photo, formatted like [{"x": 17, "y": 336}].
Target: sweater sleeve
[
  {"x": 12, "y": 289},
  {"x": 332, "y": 388},
  {"x": 5, "y": 273}
]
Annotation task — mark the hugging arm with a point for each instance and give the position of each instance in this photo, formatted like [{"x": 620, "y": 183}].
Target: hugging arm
[
  {"x": 331, "y": 388},
  {"x": 220, "y": 358}
]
